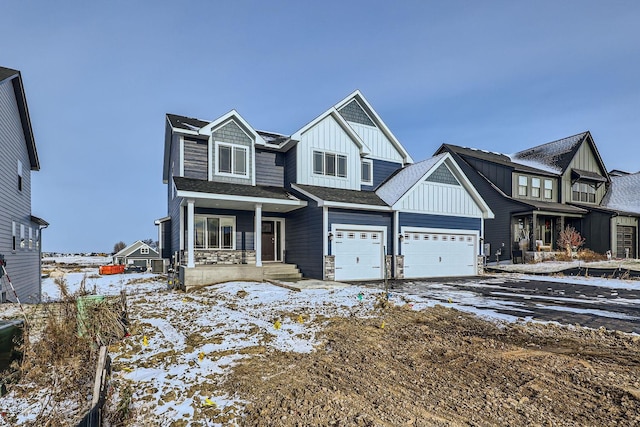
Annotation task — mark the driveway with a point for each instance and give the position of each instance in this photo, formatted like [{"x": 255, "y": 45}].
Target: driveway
[{"x": 591, "y": 302}]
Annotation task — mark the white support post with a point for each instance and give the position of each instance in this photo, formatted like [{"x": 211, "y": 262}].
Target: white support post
[
  {"x": 258, "y": 235},
  {"x": 396, "y": 231},
  {"x": 325, "y": 231},
  {"x": 191, "y": 263}
]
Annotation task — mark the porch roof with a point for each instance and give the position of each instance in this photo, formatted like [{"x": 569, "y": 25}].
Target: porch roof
[
  {"x": 224, "y": 195},
  {"x": 338, "y": 196},
  {"x": 553, "y": 208}
]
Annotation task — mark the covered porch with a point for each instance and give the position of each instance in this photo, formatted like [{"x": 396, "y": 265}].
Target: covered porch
[
  {"x": 238, "y": 227},
  {"x": 535, "y": 232}
]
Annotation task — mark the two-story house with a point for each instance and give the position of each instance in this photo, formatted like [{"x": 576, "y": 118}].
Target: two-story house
[
  {"x": 340, "y": 199},
  {"x": 20, "y": 232},
  {"x": 539, "y": 191}
]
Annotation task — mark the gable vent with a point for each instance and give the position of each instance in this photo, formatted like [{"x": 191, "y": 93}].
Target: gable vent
[
  {"x": 353, "y": 112},
  {"x": 443, "y": 175}
]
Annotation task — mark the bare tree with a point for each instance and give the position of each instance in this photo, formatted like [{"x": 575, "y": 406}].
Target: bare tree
[
  {"x": 119, "y": 246},
  {"x": 569, "y": 239}
]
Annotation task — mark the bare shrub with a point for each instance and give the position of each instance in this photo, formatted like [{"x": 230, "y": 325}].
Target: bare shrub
[{"x": 570, "y": 239}]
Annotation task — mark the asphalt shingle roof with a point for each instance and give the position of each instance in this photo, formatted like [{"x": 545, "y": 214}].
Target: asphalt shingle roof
[
  {"x": 555, "y": 155},
  {"x": 624, "y": 194},
  {"x": 211, "y": 187},
  {"x": 397, "y": 185},
  {"x": 186, "y": 123},
  {"x": 7, "y": 72},
  {"x": 343, "y": 196},
  {"x": 501, "y": 159}
]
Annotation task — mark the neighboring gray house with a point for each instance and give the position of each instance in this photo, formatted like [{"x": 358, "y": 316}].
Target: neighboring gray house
[
  {"x": 20, "y": 232},
  {"x": 137, "y": 253}
]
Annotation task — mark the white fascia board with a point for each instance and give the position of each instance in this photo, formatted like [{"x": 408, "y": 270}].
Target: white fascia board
[
  {"x": 185, "y": 132},
  {"x": 129, "y": 249},
  {"x": 342, "y": 205},
  {"x": 235, "y": 116},
  {"x": 357, "y": 206},
  {"x": 460, "y": 175},
  {"x": 234, "y": 198},
  {"x": 376, "y": 118},
  {"x": 161, "y": 220},
  {"x": 364, "y": 149}
]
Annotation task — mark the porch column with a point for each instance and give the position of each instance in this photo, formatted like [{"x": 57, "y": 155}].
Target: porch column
[
  {"x": 325, "y": 231},
  {"x": 258, "y": 235},
  {"x": 396, "y": 231},
  {"x": 190, "y": 233},
  {"x": 535, "y": 231}
]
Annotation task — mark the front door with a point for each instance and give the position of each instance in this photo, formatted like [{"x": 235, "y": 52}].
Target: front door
[
  {"x": 272, "y": 240},
  {"x": 268, "y": 241}
]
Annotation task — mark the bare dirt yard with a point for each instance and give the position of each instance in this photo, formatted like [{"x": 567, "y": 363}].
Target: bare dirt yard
[
  {"x": 440, "y": 367},
  {"x": 256, "y": 354}
]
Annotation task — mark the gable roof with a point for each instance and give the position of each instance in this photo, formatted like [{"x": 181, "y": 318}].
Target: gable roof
[
  {"x": 498, "y": 158},
  {"x": 358, "y": 96},
  {"x": 624, "y": 194},
  {"x": 399, "y": 185},
  {"x": 134, "y": 247},
  {"x": 555, "y": 155},
  {"x": 16, "y": 78}
]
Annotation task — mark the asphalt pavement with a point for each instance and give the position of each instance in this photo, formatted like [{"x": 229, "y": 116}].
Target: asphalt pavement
[{"x": 613, "y": 304}]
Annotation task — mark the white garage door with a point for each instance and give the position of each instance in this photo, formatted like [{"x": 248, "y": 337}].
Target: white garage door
[
  {"x": 428, "y": 254},
  {"x": 358, "y": 254}
]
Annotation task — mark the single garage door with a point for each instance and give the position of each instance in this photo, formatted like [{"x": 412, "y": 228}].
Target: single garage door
[
  {"x": 358, "y": 254},
  {"x": 428, "y": 254}
]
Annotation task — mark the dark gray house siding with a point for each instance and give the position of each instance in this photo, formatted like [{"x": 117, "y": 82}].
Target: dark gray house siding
[
  {"x": 303, "y": 228},
  {"x": 356, "y": 217},
  {"x": 23, "y": 262},
  {"x": 196, "y": 158},
  {"x": 382, "y": 169},
  {"x": 165, "y": 238},
  {"x": 290, "y": 167},
  {"x": 501, "y": 176},
  {"x": 596, "y": 227},
  {"x": 270, "y": 167}
]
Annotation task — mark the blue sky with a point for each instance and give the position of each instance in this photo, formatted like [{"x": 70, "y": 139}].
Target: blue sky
[{"x": 498, "y": 75}]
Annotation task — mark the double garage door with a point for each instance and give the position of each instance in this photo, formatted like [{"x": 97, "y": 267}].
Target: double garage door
[
  {"x": 359, "y": 253},
  {"x": 432, "y": 254}
]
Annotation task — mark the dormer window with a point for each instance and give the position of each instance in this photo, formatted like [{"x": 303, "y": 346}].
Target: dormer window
[
  {"x": 232, "y": 159},
  {"x": 144, "y": 250},
  {"x": 330, "y": 164},
  {"x": 367, "y": 172}
]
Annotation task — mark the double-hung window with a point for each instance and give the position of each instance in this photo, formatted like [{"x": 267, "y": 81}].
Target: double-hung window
[
  {"x": 19, "y": 175},
  {"x": 548, "y": 189},
  {"x": 214, "y": 232},
  {"x": 535, "y": 187},
  {"x": 523, "y": 184},
  {"x": 367, "y": 172},
  {"x": 330, "y": 164},
  {"x": 232, "y": 159}
]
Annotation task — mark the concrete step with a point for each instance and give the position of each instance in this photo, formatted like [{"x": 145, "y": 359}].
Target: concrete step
[
  {"x": 281, "y": 271},
  {"x": 283, "y": 276}
]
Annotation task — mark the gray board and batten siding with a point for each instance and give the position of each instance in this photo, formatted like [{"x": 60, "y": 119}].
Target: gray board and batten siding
[{"x": 23, "y": 262}]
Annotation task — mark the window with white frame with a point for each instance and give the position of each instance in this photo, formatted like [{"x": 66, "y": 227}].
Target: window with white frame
[
  {"x": 535, "y": 187},
  {"x": 214, "y": 232},
  {"x": 13, "y": 233},
  {"x": 30, "y": 238},
  {"x": 367, "y": 172},
  {"x": 523, "y": 184},
  {"x": 19, "y": 175},
  {"x": 232, "y": 159},
  {"x": 144, "y": 250},
  {"x": 330, "y": 164},
  {"x": 22, "y": 238},
  {"x": 548, "y": 189}
]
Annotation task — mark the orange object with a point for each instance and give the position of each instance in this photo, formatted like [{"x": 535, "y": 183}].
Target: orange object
[{"x": 111, "y": 269}]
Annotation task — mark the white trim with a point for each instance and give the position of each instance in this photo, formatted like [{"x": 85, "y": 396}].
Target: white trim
[
  {"x": 331, "y": 204},
  {"x": 358, "y": 96},
  {"x": 364, "y": 149},
  {"x": 370, "y": 162},
  {"x": 396, "y": 232},
  {"x": 233, "y": 115},
  {"x": 181, "y": 165},
  {"x": 210, "y": 147},
  {"x": 219, "y": 217},
  {"x": 258, "y": 234},
  {"x": 281, "y": 237},
  {"x": 460, "y": 176},
  {"x": 247, "y": 150},
  {"x": 236, "y": 198},
  {"x": 325, "y": 230},
  {"x": 190, "y": 234}
]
